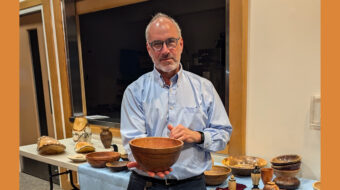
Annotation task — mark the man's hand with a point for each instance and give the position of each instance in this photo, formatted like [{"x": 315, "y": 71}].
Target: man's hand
[
  {"x": 151, "y": 174},
  {"x": 184, "y": 134}
]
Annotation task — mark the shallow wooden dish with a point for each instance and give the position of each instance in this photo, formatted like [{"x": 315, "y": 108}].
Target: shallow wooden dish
[
  {"x": 216, "y": 175},
  {"x": 317, "y": 185},
  {"x": 294, "y": 166},
  {"x": 287, "y": 182},
  {"x": 77, "y": 157},
  {"x": 156, "y": 153},
  {"x": 286, "y": 173},
  {"x": 243, "y": 165},
  {"x": 286, "y": 159},
  {"x": 117, "y": 166},
  {"x": 99, "y": 159}
]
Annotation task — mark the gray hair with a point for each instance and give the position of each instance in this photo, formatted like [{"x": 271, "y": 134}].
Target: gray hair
[{"x": 161, "y": 15}]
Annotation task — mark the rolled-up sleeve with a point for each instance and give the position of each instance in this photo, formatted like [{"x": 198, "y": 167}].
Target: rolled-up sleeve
[{"x": 218, "y": 130}]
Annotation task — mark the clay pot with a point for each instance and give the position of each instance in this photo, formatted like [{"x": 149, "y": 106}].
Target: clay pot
[
  {"x": 271, "y": 186},
  {"x": 106, "y": 137}
]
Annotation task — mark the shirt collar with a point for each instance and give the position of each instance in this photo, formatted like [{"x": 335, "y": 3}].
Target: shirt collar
[{"x": 174, "y": 80}]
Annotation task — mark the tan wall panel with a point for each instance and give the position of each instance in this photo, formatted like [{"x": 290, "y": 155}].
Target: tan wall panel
[
  {"x": 238, "y": 61},
  {"x": 88, "y": 6},
  {"x": 29, "y": 3}
]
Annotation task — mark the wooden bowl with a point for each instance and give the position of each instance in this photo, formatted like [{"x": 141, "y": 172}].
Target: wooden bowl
[
  {"x": 216, "y": 175},
  {"x": 156, "y": 153},
  {"x": 294, "y": 166},
  {"x": 243, "y": 165},
  {"x": 286, "y": 159},
  {"x": 286, "y": 173},
  {"x": 287, "y": 182},
  {"x": 99, "y": 159},
  {"x": 124, "y": 157},
  {"x": 117, "y": 166},
  {"x": 317, "y": 185}
]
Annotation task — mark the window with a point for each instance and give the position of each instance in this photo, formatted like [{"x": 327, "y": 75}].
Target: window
[{"x": 114, "y": 52}]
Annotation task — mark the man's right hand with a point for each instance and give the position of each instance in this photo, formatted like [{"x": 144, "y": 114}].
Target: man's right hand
[{"x": 151, "y": 174}]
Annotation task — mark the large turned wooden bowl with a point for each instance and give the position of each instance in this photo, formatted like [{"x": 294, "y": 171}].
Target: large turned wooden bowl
[
  {"x": 99, "y": 159},
  {"x": 243, "y": 165},
  {"x": 156, "y": 153}
]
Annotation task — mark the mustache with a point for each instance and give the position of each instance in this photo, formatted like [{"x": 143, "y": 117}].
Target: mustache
[{"x": 167, "y": 56}]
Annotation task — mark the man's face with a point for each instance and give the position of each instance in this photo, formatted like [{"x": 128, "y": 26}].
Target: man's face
[{"x": 166, "y": 59}]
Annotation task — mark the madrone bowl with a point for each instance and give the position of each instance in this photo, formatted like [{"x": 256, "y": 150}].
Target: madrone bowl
[{"x": 156, "y": 153}]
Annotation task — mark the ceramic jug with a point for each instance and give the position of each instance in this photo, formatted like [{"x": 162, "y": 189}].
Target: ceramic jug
[{"x": 106, "y": 137}]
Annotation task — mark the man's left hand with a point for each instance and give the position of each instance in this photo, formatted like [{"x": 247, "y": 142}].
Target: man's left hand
[{"x": 184, "y": 134}]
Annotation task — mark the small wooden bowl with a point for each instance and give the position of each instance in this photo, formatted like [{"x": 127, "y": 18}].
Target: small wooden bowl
[
  {"x": 124, "y": 157},
  {"x": 286, "y": 159},
  {"x": 317, "y": 185},
  {"x": 286, "y": 173},
  {"x": 294, "y": 166},
  {"x": 243, "y": 165},
  {"x": 216, "y": 175},
  {"x": 156, "y": 153},
  {"x": 99, "y": 159},
  {"x": 117, "y": 166},
  {"x": 287, "y": 182}
]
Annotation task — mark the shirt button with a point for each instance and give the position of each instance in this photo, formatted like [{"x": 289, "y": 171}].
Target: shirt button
[{"x": 171, "y": 107}]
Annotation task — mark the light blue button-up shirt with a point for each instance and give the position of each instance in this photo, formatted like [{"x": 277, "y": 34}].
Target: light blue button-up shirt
[{"x": 149, "y": 105}]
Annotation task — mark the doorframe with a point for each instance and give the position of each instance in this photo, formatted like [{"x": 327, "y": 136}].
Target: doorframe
[
  {"x": 35, "y": 9},
  {"x": 54, "y": 60}
]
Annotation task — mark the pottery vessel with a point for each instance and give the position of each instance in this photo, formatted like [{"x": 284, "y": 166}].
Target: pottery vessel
[{"x": 106, "y": 137}]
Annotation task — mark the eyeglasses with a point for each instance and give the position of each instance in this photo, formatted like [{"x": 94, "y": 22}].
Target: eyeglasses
[{"x": 171, "y": 43}]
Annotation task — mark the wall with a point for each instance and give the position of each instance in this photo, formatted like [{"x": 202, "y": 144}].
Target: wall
[{"x": 283, "y": 75}]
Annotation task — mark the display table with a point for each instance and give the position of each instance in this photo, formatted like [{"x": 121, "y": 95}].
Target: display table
[
  {"x": 61, "y": 160},
  {"x": 104, "y": 179},
  {"x": 90, "y": 178}
]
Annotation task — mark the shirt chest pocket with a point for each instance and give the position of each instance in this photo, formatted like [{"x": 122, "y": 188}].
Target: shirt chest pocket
[{"x": 191, "y": 117}]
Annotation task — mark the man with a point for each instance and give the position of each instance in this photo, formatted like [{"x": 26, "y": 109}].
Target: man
[{"x": 171, "y": 102}]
